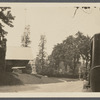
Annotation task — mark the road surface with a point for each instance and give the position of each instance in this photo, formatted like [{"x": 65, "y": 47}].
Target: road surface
[
  {"x": 64, "y": 86},
  {"x": 59, "y": 87}
]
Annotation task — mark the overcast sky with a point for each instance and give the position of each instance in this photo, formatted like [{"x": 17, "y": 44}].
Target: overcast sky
[{"x": 55, "y": 21}]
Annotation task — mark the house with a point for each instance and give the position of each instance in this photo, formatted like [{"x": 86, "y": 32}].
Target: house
[{"x": 18, "y": 57}]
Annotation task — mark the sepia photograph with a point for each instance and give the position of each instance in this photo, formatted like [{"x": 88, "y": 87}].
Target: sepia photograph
[{"x": 49, "y": 48}]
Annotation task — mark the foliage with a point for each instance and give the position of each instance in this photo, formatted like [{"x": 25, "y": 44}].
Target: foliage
[
  {"x": 67, "y": 52},
  {"x": 83, "y": 43},
  {"x": 40, "y": 60},
  {"x": 38, "y": 65},
  {"x": 6, "y": 19},
  {"x": 25, "y": 38},
  {"x": 70, "y": 51},
  {"x": 29, "y": 69},
  {"x": 57, "y": 55}
]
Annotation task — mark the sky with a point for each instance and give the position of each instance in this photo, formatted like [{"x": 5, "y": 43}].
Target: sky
[{"x": 56, "y": 21}]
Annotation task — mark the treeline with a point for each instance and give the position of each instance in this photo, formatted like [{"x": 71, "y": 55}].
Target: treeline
[{"x": 67, "y": 59}]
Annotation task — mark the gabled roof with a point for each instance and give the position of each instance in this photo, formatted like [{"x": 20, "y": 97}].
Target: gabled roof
[{"x": 19, "y": 53}]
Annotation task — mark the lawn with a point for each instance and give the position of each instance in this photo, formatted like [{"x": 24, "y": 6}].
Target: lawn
[{"x": 7, "y": 78}]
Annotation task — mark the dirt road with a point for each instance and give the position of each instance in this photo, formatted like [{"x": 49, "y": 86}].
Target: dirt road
[
  {"x": 59, "y": 87},
  {"x": 64, "y": 86}
]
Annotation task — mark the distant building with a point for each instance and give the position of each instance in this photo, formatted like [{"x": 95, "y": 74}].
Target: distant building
[{"x": 18, "y": 57}]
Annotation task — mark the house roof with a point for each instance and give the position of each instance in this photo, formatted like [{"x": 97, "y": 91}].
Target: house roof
[{"x": 19, "y": 53}]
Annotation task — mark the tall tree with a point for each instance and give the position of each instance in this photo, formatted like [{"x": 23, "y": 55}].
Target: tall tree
[
  {"x": 83, "y": 43},
  {"x": 71, "y": 52},
  {"x": 67, "y": 52},
  {"x": 6, "y": 18},
  {"x": 26, "y": 38},
  {"x": 42, "y": 54},
  {"x": 57, "y": 55}
]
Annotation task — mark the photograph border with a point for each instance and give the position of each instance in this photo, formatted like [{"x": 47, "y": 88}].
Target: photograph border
[{"x": 73, "y": 96}]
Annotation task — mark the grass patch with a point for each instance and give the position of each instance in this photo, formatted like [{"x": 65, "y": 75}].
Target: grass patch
[{"x": 7, "y": 78}]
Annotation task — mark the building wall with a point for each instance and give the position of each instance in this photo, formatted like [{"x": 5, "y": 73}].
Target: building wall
[{"x": 14, "y": 63}]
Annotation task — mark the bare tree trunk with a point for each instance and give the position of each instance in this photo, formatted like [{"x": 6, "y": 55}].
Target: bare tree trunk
[
  {"x": 2, "y": 54},
  {"x": 2, "y": 59}
]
